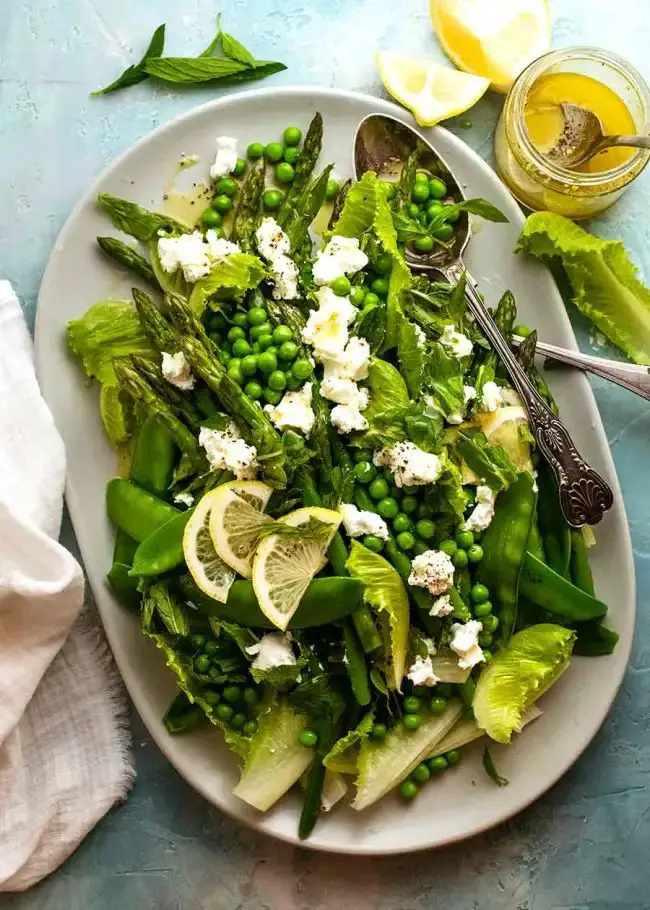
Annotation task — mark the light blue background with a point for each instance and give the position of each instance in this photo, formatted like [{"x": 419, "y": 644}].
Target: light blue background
[{"x": 584, "y": 846}]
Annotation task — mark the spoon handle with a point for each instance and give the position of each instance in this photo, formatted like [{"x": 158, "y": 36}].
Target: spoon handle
[
  {"x": 637, "y": 142},
  {"x": 584, "y": 495},
  {"x": 631, "y": 376}
]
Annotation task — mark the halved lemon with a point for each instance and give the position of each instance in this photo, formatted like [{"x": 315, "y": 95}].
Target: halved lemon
[
  {"x": 236, "y": 518},
  {"x": 211, "y": 574},
  {"x": 493, "y": 40},
  {"x": 284, "y": 566},
  {"x": 503, "y": 427},
  {"x": 430, "y": 91}
]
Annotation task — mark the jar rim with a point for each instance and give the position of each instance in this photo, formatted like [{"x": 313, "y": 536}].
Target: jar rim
[{"x": 614, "y": 177}]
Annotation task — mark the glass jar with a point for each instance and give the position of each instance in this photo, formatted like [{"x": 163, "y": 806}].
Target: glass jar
[{"x": 533, "y": 179}]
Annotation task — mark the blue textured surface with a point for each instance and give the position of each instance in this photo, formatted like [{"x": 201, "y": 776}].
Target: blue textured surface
[{"x": 584, "y": 845}]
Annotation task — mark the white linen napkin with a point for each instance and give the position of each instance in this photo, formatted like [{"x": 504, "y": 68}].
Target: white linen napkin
[{"x": 64, "y": 742}]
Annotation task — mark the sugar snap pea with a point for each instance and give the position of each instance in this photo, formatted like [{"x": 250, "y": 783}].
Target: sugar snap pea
[
  {"x": 134, "y": 510},
  {"x": 554, "y": 531},
  {"x": 124, "y": 587},
  {"x": 594, "y": 639},
  {"x": 542, "y": 586},
  {"x": 356, "y": 664},
  {"x": 162, "y": 550},
  {"x": 182, "y": 715},
  {"x": 153, "y": 459},
  {"x": 580, "y": 570}
]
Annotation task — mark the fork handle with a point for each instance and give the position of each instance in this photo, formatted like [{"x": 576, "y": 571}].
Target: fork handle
[{"x": 584, "y": 495}]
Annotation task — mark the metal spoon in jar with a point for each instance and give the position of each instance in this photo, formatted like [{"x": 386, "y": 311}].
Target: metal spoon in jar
[
  {"x": 382, "y": 144},
  {"x": 583, "y": 137}
]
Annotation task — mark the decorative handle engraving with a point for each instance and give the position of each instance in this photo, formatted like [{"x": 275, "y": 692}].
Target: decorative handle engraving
[{"x": 584, "y": 495}]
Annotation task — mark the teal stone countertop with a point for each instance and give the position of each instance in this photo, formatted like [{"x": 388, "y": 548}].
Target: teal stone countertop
[{"x": 583, "y": 846}]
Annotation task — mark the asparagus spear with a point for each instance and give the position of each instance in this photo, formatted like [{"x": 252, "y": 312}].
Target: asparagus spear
[
  {"x": 154, "y": 323},
  {"x": 307, "y": 207},
  {"x": 406, "y": 180},
  {"x": 339, "y": 202},
  {"x": 140, "y": 223},
  {"x": 125, "y": 255},
  {"x": 304, "y": 168},
  {"x": 179, "y": 401},
  {"x": 248, "y": 210},
  {"x": 137, "y": 387}
]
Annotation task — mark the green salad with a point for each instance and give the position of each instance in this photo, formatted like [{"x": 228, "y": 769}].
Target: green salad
[{"x": 334, "y": 523}]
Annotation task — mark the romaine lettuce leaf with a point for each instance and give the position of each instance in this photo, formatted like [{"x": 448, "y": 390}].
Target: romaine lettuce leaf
[
  {"x": 519, "y": 673},
  {"x": 411, "y": 354},
  {"x": 467, "y": 730},
  {"x": 387, "y": 392},
  {"x": 605, "y": 285},
  {"x": 490, "y": 463},
  {"x": 334, "y": 789},
  {"x": 358, "y": 212},
  {"x": 239, "y": 271},
  {"x": 444, "y": 377},
  {"x": 384, "y": 590},
  {"x": 343, "y": 755}
]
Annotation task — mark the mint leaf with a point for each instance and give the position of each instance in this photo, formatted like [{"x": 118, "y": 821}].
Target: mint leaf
[
  {"x": 193, "y": 70},
  {"x": 235, "y": 49},
  {"x": 136, "y": 74}
]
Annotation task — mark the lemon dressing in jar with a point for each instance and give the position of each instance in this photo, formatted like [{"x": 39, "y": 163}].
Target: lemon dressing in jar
[{"x": 532, "y": 123}]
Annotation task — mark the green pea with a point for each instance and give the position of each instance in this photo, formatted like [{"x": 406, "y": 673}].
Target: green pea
[
  {"x": 231, "y": 694},
  {"x": 433, "y": 210},
  {"x": 249, "y": 365},
  {"x": 412, "y": 704},
  {"x": 437, "y": 704},
  {"x": 464, "y": 539},
  {"x": 332, "y": 189},
  {"x": 240, "y": 168},
  {"x": 491, "y": 623},
  {"x": 251, "y": 695},
  {"x": 450, "y": 214},
  {"x": 365, "y": 472},
  {"x": 423, "y": 509},
  {"x": 411, "y": 721},
  {"x": 210, "y": 647},
  {"x": 408, "y": 789},
  {"x": 475, "y": 553},
  {"x": 405, "y": 540},
  {"x": 412, "y": 210},
  {"x": 235, "y": 333},
  {"x": 292, "y": 382},
  {"x": 402, "y": 523},
  {"x": 235, "y": 373},
  {"x": 210, "y": 218},
  {"x": 265, "y": 340},
  {"x": 420, "y": 191},
  {"x": 272, "y": 200},
  {"x": 483, "y": 609},
  {"x": 271, "y": 396},
  {"x": 201, "y": 664},
  {"x": 235, "y": 362},
  {"x": 487, "y": 656},
  {"x": 341, "y": 286},
  {"x": 420, "y": 548},
  {"x": 437, "y": 188},
  {"x": 256, "y": 316},
  {"x": 237, "y": 721},
  {"x": 370, "y": 300},
  {"x": 273, "y": 152},
  {"x": 388, "y": 508},
  {"x": 438, "y": 764},
  {"x": 362, "y": 455},
  {"x": 288, "y": 350},
  {"x": 308, "y": 738},
  {"x": 485, "y": 639},
  {"x": 277, "y": 381},
  {"x": 223, "y": 711},
  {"x": 373, "y": 543},
  {"x": 460, "y": 559},
  {"x": 421, "y": 774},
  {"x": 284, "y": 173},
  {"x": 241, "y": 347},
  {"x": 301, "y": 369},
  {"x": 378, "y": 731},
  {"x": 380, "y": 287},
  {"x": 282, "y": 333},
  {"x": 291, "y": 155},
  {"x": 255, "y": 332},
  {"x": 197, "y": 642},
  {"x": 467, "y": 691},
  {"x": 226, "y": 186},
  {"x": 522, "y": 330},
  {"x": 453, "y": 756},
  {"x": 389, "y": 189},
  {"x": 378, "y": 489},
  {"x": 423, "y": 244},
  {"x": 384, "y": 263},
  {"x": 292, "y": 135},
  {"x": 421, "y": 177},
  {"x": 449, "y": 547},
  {"x": 425, "y": 528},
  {"x": 267, "y": 363},
  {"x": 222, "y": 203},
  {"x": 212, "y": 697},
  {"x": 444, "y": 232},
  {"x": 479, "y": 593},
  {"x": 255, "y": 150},
  {"x": 240, "y": 320},
  {"x": 409, "y": 504},
  {"x": 253, "y": 389},
  {"x": 250, "y": 728},
  {"x": 357, "y": 295}
]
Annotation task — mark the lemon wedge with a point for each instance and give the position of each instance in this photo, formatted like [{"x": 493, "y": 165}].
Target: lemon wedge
[
  {"x": 284, "y": 566},
  {"x": 236, "y": 518},
  {"x": 503, "y": 428},
  {"x": 493, "y": 40},
  {"x": 430, "y": 91},
  {"x": 211, "y": 574}
]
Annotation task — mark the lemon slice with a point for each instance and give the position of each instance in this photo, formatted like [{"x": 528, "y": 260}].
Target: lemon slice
[
  {"x": 284, "y": 566},
  {"x": 211, "y": 574},
  {"x": 236, "y": 518},
  {"x": 430, "y": 91},
  {"x": 503, "y": 428},
  {"x": 493, "y": 40}
]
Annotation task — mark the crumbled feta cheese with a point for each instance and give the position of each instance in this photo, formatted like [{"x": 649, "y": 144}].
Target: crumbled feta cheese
[
  {"x": 226, "y": 449},
  {"x": 327, "y": 327},
  {"x": 294, "y": 411},
  {"x": 272, "y": 650},
  {"x": 410, "y": 465},
  {"x": 457, "y": 417},
  {"x": 432, "y": 570},
  {"x": 341, "y": 391},
  {"x": 421, "y": 672},
  {"x": 491, "y": 398},
  {"x": 219, "y": 247},
  {"x": 177, "y": 372},
  {"x": 346, "y": 418},
  {"x": 441, "y": 606},
  {"x": 272, "y": 240},
  {"x": 420, "y": 336},
  {"x": 465, "y": 643},
  {"x": 483, "y": 511},
  {"x": 353, "y": 363},
  {"x": 341, "y": 256},
  {"x": 357, "y": 522},
  {"x": 456, "y": 343},
  {"x": 285, "y": 278},
  {"x": 226, "y": 158},
  {"x": 184, "y": 499},
  {"x": 274, "y": 245},
  {"x": 188, "y": 252}
]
